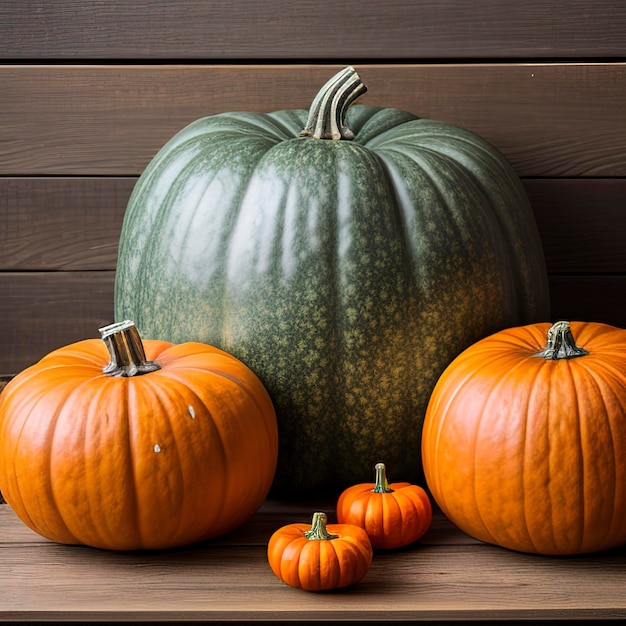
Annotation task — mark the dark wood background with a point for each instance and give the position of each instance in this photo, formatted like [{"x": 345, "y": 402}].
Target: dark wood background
[{"x": 89, "y": 91}]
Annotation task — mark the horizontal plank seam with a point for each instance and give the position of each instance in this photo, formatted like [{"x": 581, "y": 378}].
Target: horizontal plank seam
[
  {"x": 274, "y": 60},
  {"x": 287, "y": 64}
]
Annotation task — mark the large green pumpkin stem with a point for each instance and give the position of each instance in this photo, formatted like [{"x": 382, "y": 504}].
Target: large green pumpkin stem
[
  {"x": 318, "y": 530},
  {"x": 561, "y": 344},
  {"x": 382, "y": 484},
  {"x": 126, "y": 351},
  {"x": 327, "y": 115}
]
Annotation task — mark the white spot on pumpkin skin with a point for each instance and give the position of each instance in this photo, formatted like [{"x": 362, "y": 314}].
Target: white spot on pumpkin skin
[
  {"x": 191, "y": 412},
  {"x": 157, "y": 448}
]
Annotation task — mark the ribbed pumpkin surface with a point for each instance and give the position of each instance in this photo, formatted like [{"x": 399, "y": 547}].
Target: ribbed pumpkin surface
[
  {"x": 346, "y": 274},
  {"x": 528, "y": 453},
  {"x": 165, "y": 459}
]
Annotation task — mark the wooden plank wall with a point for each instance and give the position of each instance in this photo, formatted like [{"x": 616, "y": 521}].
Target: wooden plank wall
[{"x": 89, "y": 90}]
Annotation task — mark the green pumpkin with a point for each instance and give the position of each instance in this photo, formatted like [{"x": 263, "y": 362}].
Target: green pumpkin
[{"x": 347, "y": 265}]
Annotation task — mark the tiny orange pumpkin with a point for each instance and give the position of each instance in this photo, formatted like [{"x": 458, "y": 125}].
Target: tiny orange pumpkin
[
  {"x": 392, "y": 515},
  {"x": 320, "y": 556}
]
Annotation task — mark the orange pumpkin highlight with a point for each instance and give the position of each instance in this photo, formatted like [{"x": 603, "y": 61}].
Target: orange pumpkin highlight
[
  {"x": 320, "y": 557},
  {"x": 392, "y": 515},
  {"x": 182, "y": 452},
  {"x": 526, "y": 448}
]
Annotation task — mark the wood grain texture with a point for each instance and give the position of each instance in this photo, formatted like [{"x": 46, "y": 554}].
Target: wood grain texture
[
  {"x": 73, "y": 224},
  {"x": 589, "y": 298},
  {"x": 324, "y": 29},
  {"x": 548, "y": 120},
  {"x": 582, "y": 223},
  {"x": 41, "y": 311},
  {"x": 444, "y": 576},
  {"x": 61, "y": 224}
]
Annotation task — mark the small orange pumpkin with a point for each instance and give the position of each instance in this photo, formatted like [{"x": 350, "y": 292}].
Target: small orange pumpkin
[
  {"x": 320, "y": 557},
  {"x": 141, "y": 446},
  {"x": 392, "y": 515},
  {"x": 524, "y": 441}
]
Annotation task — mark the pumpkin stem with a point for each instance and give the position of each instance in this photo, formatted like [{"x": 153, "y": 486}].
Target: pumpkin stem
[
  {"x": 381, "y": 486},
  {"x": 327, "y": 115},
  {"x": 126, "y": 351},
  {"x": 561, "y": 344},
  {"x": 318, "y": 530}
]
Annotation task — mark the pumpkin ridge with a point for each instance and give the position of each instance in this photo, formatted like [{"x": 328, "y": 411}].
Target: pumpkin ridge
[
  {"x": 291, "y": 121},
  {"x": 448, "y": 399},
  {"x": 328, "y": 552},
  {"x": 602, "y": 390},
  {"x": 156, "y": 391},
  {"x": 363, "y": 551},
  {"x": 532, "y": 341},
  {"x": 608, "y": 368},
  {"x": 457, "y": 171},
  {"x": 49, "y": 487},
  {"x": 348, "y": 545},
  {"x": 193, "y": 164},
  {"x": 489, "y": 398},
  {"x": 129, "y": 393},
  {"x": 437, "y": 169},
  {"x": 255, "y": 177},
  {"x": 420, "y": 132},
  {"x": 19, "y": 500},
  {"x": 341, "y": 562},
  {"x": 293, "y": 572},
  {"x": 615, "y": 522},
  {"x": 80, "y": 350},
  {"x": 274, "y": 125},
  {"x": 241, "y": 385},
  {"x": 503, "y": 222},
  {"x": 162, "y": 161},
  {"x": 573, "y": 393},
  {"x": 188, "y": 386},
  {"x": 581, "y": 449},
  {"x": 286, "y": 568},
  {"x": 612, "y": 430},
  {"x": 474, "y": 481},
  {"x": 406, "y": 500},
  {"x": 391, "y": 511},
  {"x": 100, "y": 510},
  {"x": 480, "y": 150},
  {"x": 527, "y": 507},
  {"x": 533, "y": 386},
  {"x": 426, "y": 168},
  {"x": 372, "y": 123},
  {"x": 130, "y": 452},
  {"x": 58, "y": 502},
  {"x": 239, "y": 124}
]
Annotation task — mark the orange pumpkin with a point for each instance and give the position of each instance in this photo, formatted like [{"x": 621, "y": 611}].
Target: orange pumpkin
[
  {"x": 150, "y": 449},
  {"x": 392, "y": 515},
  {"x": 525, "y": 447},
  {"x": 319, "y": 557}
]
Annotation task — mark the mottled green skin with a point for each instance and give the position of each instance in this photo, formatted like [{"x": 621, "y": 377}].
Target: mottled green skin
[{"x": 346, "y": 274}]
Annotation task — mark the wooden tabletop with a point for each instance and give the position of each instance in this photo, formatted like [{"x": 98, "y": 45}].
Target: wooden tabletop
[{"x": 445, "y": 577}]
